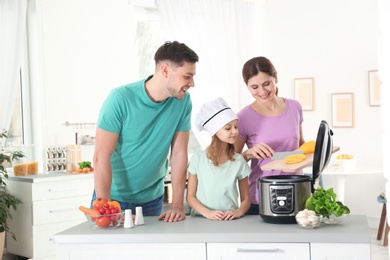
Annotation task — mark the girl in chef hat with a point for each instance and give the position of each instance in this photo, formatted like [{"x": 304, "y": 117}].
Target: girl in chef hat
[{"x": 214, "y": 172}]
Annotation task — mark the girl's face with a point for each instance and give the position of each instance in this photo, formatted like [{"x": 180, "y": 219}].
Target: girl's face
[
  {"x": 229, "y": 132},
  {"x": 262, "y": 87}
]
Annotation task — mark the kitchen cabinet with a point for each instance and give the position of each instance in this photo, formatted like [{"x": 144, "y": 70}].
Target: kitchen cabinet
[
  {"x": 50, "y": 205},
  {"x": 245, "y": 238},
  {"x": 330, "y": 251}
]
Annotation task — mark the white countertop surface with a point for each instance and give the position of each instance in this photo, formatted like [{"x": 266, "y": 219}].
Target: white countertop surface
[
  {"x": 44, "y": 177},
  {"x": 354, "y": 229}
]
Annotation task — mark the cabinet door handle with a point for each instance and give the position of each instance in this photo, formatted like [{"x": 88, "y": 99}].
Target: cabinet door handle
[
  {"x": 64, "y": 189},
  {"x": 244, "y": 250},
  {"x": 61, "y": 210}
]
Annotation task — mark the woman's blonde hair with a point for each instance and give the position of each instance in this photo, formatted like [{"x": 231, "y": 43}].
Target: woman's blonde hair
[{"x": 214, "y": 150}]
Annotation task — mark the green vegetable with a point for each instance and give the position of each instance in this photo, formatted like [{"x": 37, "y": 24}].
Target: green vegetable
[
  {"x": 324, "y": 202},
  {"x": 85, "y": 164}
]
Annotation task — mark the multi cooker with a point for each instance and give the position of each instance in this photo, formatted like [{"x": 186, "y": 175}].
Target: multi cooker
[{"x": 281, "y": 197}]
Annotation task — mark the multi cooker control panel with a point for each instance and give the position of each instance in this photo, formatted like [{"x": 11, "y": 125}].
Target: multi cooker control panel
[{"x": 282, "y": 199}]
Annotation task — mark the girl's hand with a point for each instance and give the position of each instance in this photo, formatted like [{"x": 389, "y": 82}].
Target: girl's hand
[
  {"x": 260, "y": 151},
  {"x": 214, "y": 215},
  {"x": 230, "y": 214}
]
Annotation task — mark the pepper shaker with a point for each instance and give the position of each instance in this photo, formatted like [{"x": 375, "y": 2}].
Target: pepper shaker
[
  {"x": 139, "y": 217},
  {"x": 128, "y": 219}
]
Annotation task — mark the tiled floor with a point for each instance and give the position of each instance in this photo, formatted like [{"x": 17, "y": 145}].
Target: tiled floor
[{"x": 378, "y": 251}]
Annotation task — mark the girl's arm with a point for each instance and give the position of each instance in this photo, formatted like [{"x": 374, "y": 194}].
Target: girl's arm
[
  {"x": 245, "y": 201},
  {"x": 244, "y": 194},
  {"x": 194, "y": 203}
]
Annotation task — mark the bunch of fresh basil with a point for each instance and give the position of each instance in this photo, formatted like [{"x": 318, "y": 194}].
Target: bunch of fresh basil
[{"x": 324, "y": 202}]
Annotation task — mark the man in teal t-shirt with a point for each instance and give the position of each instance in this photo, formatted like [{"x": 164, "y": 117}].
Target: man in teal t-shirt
[{"x": 137, "y": 125}]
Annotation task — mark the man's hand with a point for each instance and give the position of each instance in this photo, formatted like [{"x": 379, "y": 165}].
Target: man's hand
[{"x": 172, "y": 215}]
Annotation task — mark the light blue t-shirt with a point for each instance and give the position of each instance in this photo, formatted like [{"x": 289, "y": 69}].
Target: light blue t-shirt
[
  {"x": 217, "y": 185},
  {"x": 139, "y": 162}
]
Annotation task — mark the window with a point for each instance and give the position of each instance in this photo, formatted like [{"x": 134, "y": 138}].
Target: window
[
  {"x": 149, "y": 35},
  {"x": 15, "y": 131}
]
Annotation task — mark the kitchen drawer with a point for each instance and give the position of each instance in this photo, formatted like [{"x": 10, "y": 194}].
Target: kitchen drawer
[
  {"x": 145, "y": 251},
  {"x": 54, "y": 211},
  {"x": 45, "y": 233},
  {"x": 340, "y": 251},
  {"x": 62, "y": 189},
  {"x": 252, "y": 251}
]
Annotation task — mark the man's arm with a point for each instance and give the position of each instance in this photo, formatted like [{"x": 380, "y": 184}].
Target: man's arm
[
  {"x": 179, "y": 161},
  {"x": 105, "y": 143}
]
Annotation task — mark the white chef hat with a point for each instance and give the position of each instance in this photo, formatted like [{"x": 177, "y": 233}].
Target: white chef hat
[{"x": 213, "y": 115}]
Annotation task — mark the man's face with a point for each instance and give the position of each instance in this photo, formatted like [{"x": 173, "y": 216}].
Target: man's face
[{"x": 181, "y": 79}]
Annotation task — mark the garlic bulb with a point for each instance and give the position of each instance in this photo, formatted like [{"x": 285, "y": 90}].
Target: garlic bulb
[{"x": 307, "y": 218}]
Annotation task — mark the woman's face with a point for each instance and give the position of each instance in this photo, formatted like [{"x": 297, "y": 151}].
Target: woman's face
[{"x": 262, "y": 87}]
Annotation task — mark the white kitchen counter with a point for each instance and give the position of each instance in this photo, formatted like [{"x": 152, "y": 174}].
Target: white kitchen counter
[
  {"x": 354, "y": 229},
  {"x": 197, "y": 238}
]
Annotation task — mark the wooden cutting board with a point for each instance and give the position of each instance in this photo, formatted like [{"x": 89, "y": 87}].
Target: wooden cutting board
[{"x": 281, "y": 165}]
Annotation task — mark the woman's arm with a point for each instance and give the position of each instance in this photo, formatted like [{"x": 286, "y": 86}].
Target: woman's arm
[
  {"x": 259, "y": 151},
  {"x": 301, "y": 139}
]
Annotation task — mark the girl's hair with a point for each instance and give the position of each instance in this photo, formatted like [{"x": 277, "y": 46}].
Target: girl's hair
[
  {"x": 255, "y": 65},
  {"x": 214, "y": 150}
]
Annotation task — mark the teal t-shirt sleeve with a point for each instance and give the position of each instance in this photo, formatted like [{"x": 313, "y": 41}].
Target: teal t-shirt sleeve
[
  {"x": 185, "y": 123},
  {"x": 111, "y": 113}
]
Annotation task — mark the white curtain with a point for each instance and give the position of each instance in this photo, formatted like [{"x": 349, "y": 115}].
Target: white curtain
[
  {"x": 384, "y": 75},
  {"x": 223, "y": 33},
  {"x": 12, "y": 32}
]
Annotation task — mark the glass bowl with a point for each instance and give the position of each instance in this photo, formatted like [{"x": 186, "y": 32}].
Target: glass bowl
[
  {"x": 332, "y": 219},
  {"x": 107, "y": 221},
  {"x": 309, "y": 222}
]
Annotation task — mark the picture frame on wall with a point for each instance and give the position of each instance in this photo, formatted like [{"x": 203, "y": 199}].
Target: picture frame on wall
[
  {"x": 343, "y": 109},
  {"x": 304, "y": 92},
  {"x": 374, "y": 88}
]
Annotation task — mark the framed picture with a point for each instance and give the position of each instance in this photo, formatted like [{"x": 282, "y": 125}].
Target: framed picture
[
  {"x": 374, "y": 88},
  {"x": 304, "y": 92},
  {"x": 343, "y": 109}
]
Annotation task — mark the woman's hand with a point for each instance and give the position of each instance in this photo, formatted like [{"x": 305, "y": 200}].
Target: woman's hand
[{"x": 259, "y": 151}]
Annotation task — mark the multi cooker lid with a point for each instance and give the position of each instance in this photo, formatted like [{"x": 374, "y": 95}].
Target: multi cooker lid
[
  {"x": 278, "y": 179},
  {"x": 323, "y": 149}
]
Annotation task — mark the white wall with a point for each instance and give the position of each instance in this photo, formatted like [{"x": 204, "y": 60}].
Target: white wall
[
  {"x": 82, "y": 49},
  {"x": 336, "y": 43},
  {"x": 85, "y": 48}
]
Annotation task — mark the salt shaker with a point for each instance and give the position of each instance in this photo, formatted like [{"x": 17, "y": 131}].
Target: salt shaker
[
  {"x": 128, "y": 219},
  {"x": 139, "y": 217}
]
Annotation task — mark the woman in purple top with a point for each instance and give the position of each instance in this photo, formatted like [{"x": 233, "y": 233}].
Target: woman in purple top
[{"x": 269, "y": 124}]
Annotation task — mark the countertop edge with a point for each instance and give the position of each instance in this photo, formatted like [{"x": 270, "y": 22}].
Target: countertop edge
[{"x": 354, "y": 230}]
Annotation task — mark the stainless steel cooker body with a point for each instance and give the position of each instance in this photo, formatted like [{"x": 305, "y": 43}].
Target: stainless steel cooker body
[{"x": 281, "y": 197}]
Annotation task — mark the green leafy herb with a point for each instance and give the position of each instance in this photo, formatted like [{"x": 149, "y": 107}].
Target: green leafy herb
[
  {"x": 324, "y": 202},
  {"x": 85, "y": 164}
]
